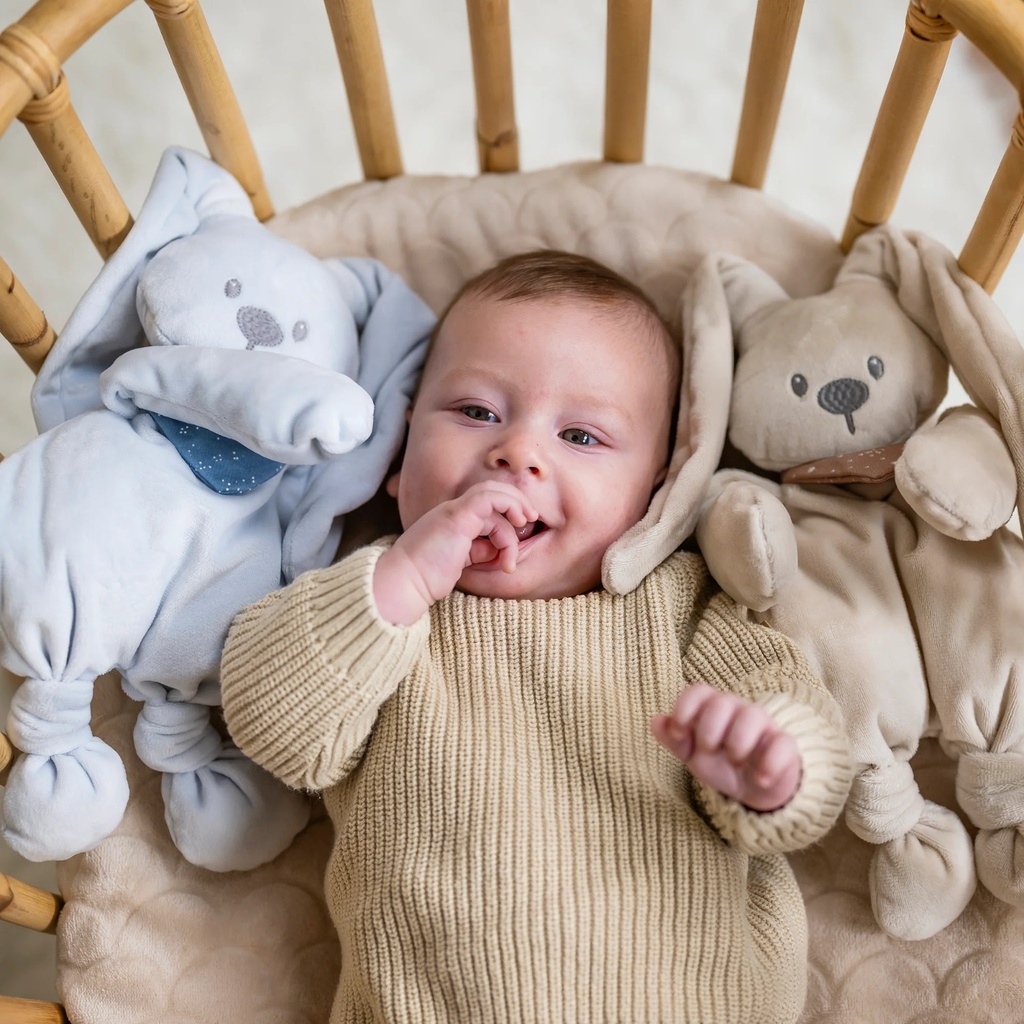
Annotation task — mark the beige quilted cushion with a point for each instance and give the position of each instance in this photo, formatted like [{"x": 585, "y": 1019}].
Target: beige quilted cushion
[{"x": 146, "y": 937}]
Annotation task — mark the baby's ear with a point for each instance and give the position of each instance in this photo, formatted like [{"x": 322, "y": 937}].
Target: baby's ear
[{"x": 391, "y": 484}]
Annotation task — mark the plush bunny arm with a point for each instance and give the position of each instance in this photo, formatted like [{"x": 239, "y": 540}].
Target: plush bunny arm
[
  {"x": 281, "y": 407},
  {"x": 747, "y": 539},
  {"x": 958, "y": 475}
]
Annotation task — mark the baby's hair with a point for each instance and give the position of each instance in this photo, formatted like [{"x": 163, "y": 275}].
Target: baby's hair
[{"x": 555, "y": 274}]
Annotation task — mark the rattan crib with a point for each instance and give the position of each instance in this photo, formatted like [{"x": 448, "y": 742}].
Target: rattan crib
[{"x": 969, "y": 972}]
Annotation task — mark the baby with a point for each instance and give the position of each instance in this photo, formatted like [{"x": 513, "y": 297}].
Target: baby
[{"x": 510, "y": 842}]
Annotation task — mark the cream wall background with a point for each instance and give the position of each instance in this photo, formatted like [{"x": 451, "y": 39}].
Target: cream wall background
[{"x": 289, "y": 87}]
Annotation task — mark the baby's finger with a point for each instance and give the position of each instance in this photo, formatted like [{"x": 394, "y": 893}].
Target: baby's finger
[
  {"x": 502, "y": 535},
  {"x": 482, "y": 502},
  {"x": 675, "y": 738},
  {"x": 690, "y": 702},
  {"x": 714, "y": 721},
  {"x": 510, "y": 502},
  {"x": 481, "y": 550},
  {"x": 747, "y": 730},
  {"x": 777, "y": 756}
]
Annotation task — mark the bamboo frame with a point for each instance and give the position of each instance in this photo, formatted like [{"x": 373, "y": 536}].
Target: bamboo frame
[
  {"x": 998, "y": 229},
  {"x": 195, "y": 57},
  {"x": 901, "y": 116},
  {"x": 69, "y": 153},
  {"x": 996, "y": 27},
  {"x": 357, "y": 41},
  {"x": 30, "y": 1011},
  {"x": 27, "y": 906},
  {"x": 627, "y": 70},
  {"x": 22, "y": 322},
  {"x": 490, "y": 37},
  {"x": 33, "y": 50},
  {"x": 771, "y": 53},
  {"x": 6, "y": 751}
]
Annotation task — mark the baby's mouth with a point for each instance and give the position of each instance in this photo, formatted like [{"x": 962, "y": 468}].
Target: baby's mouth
[{"x": 529, "y": 530}]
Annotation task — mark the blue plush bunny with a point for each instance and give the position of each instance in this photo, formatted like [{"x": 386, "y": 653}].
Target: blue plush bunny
[{"x": 218, "y": 398}]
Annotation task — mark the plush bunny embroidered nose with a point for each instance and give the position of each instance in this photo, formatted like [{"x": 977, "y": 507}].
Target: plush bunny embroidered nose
[
  {"x": 259, "y": 327},
  {"x": 844, "y": 397}
]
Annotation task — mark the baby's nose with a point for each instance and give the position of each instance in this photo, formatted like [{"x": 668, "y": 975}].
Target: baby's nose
[
  {"x": 516, "y": 455},
  {"x": 515, "y": 467}
]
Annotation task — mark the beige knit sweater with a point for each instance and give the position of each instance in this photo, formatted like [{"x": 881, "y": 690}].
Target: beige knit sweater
[{"x": 511, "y": 843}]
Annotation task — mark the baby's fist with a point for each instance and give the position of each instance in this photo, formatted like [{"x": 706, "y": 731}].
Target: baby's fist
[{"x": 732, "y": 746}]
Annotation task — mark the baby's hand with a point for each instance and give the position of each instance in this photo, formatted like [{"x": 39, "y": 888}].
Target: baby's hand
[
  {"x": 733, "y": 746},
  {"x": 427, "y": 560}
]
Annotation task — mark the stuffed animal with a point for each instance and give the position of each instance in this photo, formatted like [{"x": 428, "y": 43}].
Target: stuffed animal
[
  {"x": 218, "y": 398},
  {"x": 873, "y": 535}
]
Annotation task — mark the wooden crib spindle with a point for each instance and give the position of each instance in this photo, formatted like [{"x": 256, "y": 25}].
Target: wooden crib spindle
[
  {"x": 22, "y": 322},
  {"x": 6, "y": 749},
  {"x": 69, "y": 153},
  {"x": 627, "y": 70},
  {"x": 357, "y": 41},
  {"x": 996, "y": 27},
  {"x": 30, "y": 1011},
  {"x": 27, "y": 906},
  {"x": 187, "y": 37},
  {"x": 490, "y": 38},
  {"x": 771, "y": 52},
  {"x": 999, "y": 226},
  {"x": 901, "y": 116}
]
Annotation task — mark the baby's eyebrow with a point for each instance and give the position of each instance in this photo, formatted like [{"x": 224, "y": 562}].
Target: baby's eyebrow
[{"x": 463, "y": 375}]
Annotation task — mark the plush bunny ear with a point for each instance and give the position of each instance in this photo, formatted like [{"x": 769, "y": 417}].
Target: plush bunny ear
[
  {"x": 959, "y": 316},
  {"x": 187, "y": 189},
  {"x": 395, "y": 325},
  {"x": 748, "y": 289},
  {"x": 700, "y": 435}
]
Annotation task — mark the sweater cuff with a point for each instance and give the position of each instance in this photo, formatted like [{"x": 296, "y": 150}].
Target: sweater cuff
[
  {"x": 305, "y": 671},
  {"x": 811, "y": 718}
]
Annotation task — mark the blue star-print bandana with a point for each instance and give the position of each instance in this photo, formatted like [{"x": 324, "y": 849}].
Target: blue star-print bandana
[{"x": 225, "y": 466}]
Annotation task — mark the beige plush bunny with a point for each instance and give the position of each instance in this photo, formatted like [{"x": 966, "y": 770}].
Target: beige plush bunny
[{"x": 874, "y": 536}]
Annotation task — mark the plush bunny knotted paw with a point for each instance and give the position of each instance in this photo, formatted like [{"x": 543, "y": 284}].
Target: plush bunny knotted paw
[
  {"x": 990, "y": 789},
  {"x": 231, "y": 814},
  {"x": 223, "y": 812},
  {"x": 68, "y": 791},
  {"x": 923, "y": 881},
  {"x": 922, "y": 874}
]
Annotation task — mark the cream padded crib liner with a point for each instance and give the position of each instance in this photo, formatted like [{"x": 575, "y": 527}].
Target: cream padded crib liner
[{"x": 146, "y": 936}]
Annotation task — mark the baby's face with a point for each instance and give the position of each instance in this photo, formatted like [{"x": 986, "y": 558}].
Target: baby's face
[{"x": 556, "y": 399}]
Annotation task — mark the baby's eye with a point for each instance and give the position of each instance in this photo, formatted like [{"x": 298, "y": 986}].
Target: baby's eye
[
  {"x": 479, "y": 413},
  {"x": 576, "y": 436}
]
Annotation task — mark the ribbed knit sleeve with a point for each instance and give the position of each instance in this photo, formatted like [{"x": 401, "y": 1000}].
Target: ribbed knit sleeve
[
  {"x": 729, "y": 651},
  {"x": 305, "y": 671}
]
